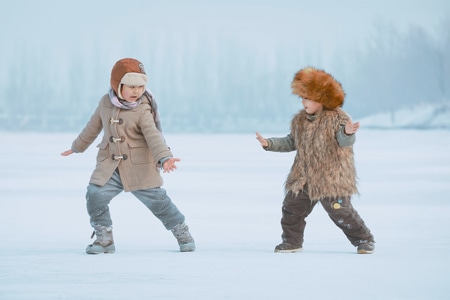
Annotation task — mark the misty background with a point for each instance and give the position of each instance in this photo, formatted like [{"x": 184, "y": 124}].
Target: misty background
[{"x": 225, "y": 66}]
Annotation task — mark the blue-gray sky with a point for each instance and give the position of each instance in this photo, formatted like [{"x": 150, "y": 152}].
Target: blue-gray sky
[
  {"x": 52, "y": 21},
  {"x": 206, "y": 53}
]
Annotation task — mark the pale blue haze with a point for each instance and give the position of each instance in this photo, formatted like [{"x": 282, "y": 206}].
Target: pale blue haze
[{"x": 221, "y": 66}]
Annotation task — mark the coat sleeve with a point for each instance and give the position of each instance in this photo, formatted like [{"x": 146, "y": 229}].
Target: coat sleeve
[
  {"x": 89, "y": 133},
  {"x": 345, "y": 140},
  {"x": 285, "y": 144},
  {"x": 153, "y": 137}
]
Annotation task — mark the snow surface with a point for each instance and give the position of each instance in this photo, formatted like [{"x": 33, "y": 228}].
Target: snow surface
[{"x": 230, "y": 191}]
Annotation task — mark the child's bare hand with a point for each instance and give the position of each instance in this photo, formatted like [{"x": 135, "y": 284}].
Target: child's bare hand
[
  {"x": 67, "y": 152},
  {"x": 351, "y": 128},
  {"x": 262, "y": 140},
  {"x": 169, "y": 165}
]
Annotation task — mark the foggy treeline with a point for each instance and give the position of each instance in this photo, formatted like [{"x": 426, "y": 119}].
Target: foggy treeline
[
  {"x": 399, "y": 71},
  {"x": 210, "y": 82}
]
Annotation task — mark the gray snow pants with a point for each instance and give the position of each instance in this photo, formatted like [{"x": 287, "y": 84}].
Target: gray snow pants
[
  {"x": 156, "y": 200},
  {"x": 297, "y": 207}
]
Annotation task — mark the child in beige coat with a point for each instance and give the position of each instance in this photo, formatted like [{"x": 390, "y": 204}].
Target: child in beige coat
[{"x": 130, "y": 155}]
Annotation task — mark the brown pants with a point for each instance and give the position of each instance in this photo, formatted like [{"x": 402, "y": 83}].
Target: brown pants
[{"x": 297, "y": 207}]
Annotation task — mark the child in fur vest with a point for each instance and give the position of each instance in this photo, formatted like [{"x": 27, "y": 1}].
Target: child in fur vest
[
  {"x": 130, "y": 155},
  {"x": 323, "y": 170}
]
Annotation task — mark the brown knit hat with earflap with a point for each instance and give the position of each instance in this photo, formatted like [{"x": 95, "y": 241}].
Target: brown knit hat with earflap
[
  {"x": 127, "y": 71},
  {"x": 319, "y": 86}
]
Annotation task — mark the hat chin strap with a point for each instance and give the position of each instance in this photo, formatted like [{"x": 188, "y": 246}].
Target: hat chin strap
[{"x": 119, "y": 91}]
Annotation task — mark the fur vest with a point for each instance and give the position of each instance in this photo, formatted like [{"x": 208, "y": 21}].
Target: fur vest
[{"x": 321, "y": 167}]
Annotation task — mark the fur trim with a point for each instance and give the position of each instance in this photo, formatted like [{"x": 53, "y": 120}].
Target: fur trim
[
  {"x": 319, "y": 86},
  {"x": 132, "y": 79}
]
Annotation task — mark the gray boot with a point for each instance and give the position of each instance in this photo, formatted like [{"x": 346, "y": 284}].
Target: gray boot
[
  {"x": 104, "y": 242},
  {"x": 184, "y": 238}
]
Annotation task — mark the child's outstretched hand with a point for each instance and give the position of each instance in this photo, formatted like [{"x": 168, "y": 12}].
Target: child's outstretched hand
[
  {"x": 169, "y": 165},
  {"x": 261, "y": 140},
  {"x": 67, "y": 152},
  {"x": 351, "y": 128}
]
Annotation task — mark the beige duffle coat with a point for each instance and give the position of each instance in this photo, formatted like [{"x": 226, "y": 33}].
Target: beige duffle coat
[{"x": 131, "y": 143}]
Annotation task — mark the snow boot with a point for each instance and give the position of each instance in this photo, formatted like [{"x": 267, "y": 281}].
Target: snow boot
[
  {"x": 287, "y": 248},
  {"x": 366, "y": 247},
  {"x": 184, "y": 238},
  {"x": 104, "y": 242}
]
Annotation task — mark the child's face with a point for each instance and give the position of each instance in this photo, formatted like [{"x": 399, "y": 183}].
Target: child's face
[
  {"x": 312, "y": 107},
  {"x": 132, "y": 93}
]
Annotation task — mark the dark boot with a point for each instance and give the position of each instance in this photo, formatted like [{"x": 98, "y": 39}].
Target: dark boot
[
  {"x": 287, "y": 248},
  {"x": 366, "y": 247}
]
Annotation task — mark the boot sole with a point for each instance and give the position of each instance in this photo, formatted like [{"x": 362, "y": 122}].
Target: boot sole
[
  {"x": 289, "y": 251},
  {"x": 188, "y": 247},
  {"x": 362, "y": 251},
  {"x": 99, "y": 249}
]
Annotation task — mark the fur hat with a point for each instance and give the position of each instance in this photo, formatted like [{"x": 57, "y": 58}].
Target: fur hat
[
  {"x": 127, "y": 71},
  {"x": 319, "y": 86}
]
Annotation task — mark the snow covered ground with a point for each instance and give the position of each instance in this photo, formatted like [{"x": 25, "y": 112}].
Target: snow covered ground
[{"x": 230, "y": 191}]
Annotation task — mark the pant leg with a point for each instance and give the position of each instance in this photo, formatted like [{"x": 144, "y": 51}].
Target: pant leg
[
  {"x": 98, "y": 199},
  {"x": 294, "y": 212},
  {"x": 161, "y": 206},
  {"x": 347, "y": 219}
]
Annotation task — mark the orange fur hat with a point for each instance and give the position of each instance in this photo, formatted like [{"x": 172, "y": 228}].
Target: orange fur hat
[{"x": 319, "y": 86}]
